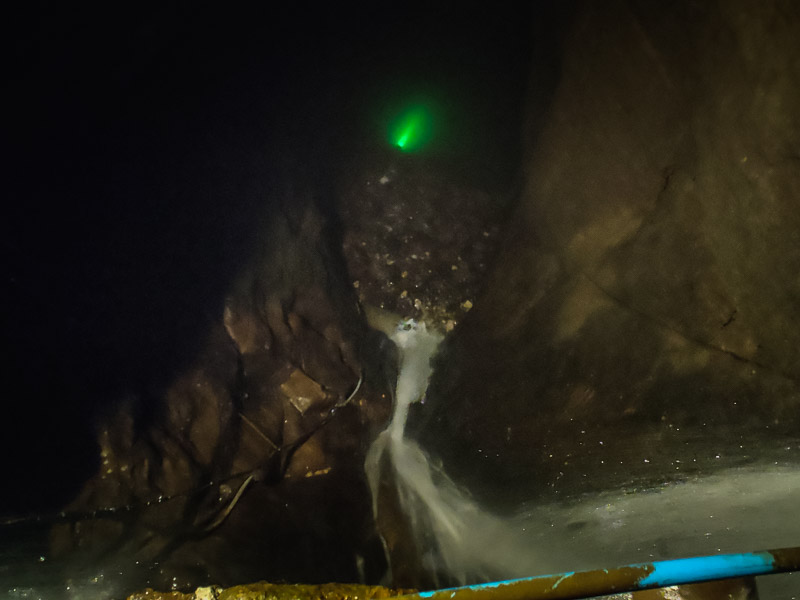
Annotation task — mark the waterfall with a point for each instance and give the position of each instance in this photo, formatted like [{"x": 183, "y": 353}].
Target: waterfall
[
  {"x": 454, "y": 535},
  {"x": 732, "y": 510}
]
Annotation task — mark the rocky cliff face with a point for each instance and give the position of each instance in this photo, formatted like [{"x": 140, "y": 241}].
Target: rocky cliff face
[
  {"x": 634, "y": 317},
  {"x": 647, "y": 294},
  {"x": 250, "y": 465}
]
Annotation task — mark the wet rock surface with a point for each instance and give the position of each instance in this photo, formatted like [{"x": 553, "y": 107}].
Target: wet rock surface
[
  {"x": 251, "y": 463},
  {"x": 277, "y": 592},
  {"x": 641, "y": 319},
  {"x": 418, "y": 240}
]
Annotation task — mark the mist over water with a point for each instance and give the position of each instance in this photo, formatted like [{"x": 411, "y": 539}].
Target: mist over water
[
  {"x": 453, "y": 534},
  {"x": 458, "y": 541}
]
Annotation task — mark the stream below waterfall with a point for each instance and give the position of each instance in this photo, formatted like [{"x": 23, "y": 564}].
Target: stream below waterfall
[{"x": 457, "y": 541}]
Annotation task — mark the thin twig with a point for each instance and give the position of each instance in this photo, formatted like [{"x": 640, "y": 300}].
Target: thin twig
[{"x": 260, "y": 433}]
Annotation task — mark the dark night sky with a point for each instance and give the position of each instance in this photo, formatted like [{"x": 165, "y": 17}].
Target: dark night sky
[
  {"x": 139, "y": 142},
  {"x": 142, "y": 146}
]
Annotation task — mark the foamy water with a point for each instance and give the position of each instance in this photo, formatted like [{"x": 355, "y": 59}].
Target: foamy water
[{"x": 735, "y": 510}]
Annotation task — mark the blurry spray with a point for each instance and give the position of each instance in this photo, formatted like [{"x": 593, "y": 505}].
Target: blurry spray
[{"x": 456, "y": 541}]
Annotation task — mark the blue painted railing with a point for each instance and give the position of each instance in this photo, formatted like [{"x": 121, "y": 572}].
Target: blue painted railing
[{"x": 630, "y": 578}]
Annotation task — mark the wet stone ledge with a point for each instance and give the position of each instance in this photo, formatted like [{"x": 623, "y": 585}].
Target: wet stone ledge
[{"x": 272, "y": 591}]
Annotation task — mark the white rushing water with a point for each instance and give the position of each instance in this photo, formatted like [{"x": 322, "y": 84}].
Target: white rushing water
[{"x": 735, "y": 510}]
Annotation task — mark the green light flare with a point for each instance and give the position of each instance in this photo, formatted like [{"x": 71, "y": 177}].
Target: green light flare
[{"x": 412, "y": 129}]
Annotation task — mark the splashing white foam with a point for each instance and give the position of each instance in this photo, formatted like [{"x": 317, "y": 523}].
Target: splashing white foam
[
  {"x": 450, "y": 530},
  {"x": 736, "y": 510}
]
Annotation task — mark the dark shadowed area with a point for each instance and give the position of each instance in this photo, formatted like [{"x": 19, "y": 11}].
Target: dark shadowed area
[{"x": 215, "y": 219}]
